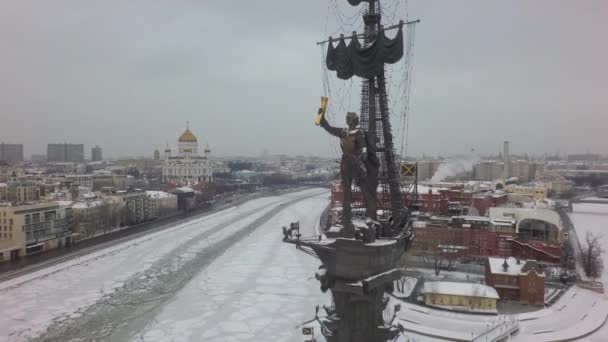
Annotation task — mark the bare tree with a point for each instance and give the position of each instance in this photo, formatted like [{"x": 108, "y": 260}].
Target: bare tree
[
  {"x": 592, "y": 255},
  {"x": 77, "y": 224},
  {"x": 116, "y": 217},
  {"x": 442, "y": 248},
  {"x": 104, "y": 216},
  {"x": 404, "y": 262}
]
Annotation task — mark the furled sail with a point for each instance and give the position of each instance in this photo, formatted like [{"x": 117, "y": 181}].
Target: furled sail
[
  {"x": 365, "y": 62},
  {"x": 355, "y": 2}
]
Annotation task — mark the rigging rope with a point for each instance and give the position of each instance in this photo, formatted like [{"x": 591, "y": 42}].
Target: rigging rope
[
  {"x": 344, "y": 24},
  {"x": 408, "y": 90},
  {"x": 398, "y": 76}
]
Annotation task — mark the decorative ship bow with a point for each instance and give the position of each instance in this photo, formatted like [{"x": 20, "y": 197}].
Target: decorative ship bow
[{"x": 360, "y": 256}]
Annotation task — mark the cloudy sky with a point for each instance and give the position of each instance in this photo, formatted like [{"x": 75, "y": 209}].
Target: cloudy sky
[{"x": 128, "y": 74}]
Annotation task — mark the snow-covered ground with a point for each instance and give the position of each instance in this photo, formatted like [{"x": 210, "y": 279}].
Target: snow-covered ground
[
  {"x": 574, "y": 313},
  {"x": 198, "y": 277},
  {"x": 593, "y": 217},
  {"x": 409, "y": 283},
  {"x": 578, "y": 311}
]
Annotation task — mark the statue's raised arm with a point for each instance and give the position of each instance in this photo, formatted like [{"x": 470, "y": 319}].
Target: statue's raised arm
[{"x": 335, "y": 131}]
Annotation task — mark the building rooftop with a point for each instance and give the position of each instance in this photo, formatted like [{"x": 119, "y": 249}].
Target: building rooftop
[
  {"x": 64, "y": 203},
  {"x": 35, "y": 207},
  {"x": 158, "y": 194},
  {"x": 187, "y": 136},
  {"x": 473, "y": 218},
  {"x": 520, "y": 214},
  {"x": 460, "y": 289},
  {"x": 515, "y": 267},
  {"x": 184, "y": 189},
  {"x": 87, "y": 204}
]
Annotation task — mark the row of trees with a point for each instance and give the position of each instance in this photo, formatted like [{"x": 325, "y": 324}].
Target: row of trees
[
  {"x": 441, "y": 250},
  {"x": 100, "y": 219}
]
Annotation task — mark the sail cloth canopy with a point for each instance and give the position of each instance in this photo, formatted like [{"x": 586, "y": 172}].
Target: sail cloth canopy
[
  {"x": 356, "y": 2},
  {"x": 366, "y": 62}
]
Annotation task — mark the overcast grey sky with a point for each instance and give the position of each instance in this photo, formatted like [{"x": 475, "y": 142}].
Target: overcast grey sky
[{"x": 128, "y": 74}]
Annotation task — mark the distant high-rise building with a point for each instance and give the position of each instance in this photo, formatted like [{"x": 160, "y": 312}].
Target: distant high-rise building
[
  {"x": 65, "y": 152},
  {"x": 487, "y": 170},
  {"x": 506, "y": 161},
  {"x": 156, "y": 155},
  {"x": 583, "y": 157},
  {"x": 11, "y": 152},
  {"x": 96, "y": 154}
]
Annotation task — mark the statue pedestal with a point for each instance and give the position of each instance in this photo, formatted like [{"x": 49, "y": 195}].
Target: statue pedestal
[{"x": 358, "y": 274}]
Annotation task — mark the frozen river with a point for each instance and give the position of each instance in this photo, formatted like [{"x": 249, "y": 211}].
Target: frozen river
[{"x": 223, "y": 277}]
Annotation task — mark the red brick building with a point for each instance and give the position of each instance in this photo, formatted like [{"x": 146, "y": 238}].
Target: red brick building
[
  {"x": 479, "y": 235},
  {"x": 482, "y": 237},
  {"x": 516, "y": 279},
  {"x": 435, "y": 200}
]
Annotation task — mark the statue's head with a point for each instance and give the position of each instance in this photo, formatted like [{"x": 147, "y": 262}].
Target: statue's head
[{"x": 352, "y": 119}]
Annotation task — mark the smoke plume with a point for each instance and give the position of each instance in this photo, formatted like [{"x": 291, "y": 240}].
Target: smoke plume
[{"x": 454, "y": 167}]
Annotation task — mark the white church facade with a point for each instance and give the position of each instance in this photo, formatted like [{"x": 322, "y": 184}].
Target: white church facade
[{"x": 187, "y": 167}]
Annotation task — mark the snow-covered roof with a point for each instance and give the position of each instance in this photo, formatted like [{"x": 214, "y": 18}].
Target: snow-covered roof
[
  {"x": 64, "y": 203},
  {"x": 185, "y": 189},
  {"x": 424, "y": 189},
  {"x": 520, "y": 214},
  {"x": 460, "y": 289},
  {"x": 419, "y": 224},
  {"x": 158, "y": 194},
  {"x": 473, "y": 218},
  {"x": 496, "y": 266},
  {"x": 382, "y": 242},
  {"x": 515, "y": 267},
  {"x": 88, "y": 204},
  {"x": 503, "y": 221}
]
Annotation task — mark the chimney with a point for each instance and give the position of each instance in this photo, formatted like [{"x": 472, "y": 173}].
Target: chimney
[{"x": 505, "y": 266}]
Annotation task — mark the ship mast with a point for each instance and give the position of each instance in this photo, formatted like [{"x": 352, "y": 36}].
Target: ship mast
[{"x": 376, "y": 121}]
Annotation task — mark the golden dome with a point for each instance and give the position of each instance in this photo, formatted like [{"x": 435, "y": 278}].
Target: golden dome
[{"x": 187, "y": 136}]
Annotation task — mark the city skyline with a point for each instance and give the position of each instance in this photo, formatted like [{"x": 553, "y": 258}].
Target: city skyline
[
  {"x": 503, "y": 72},
  {"x": 523, "y": 154}
]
